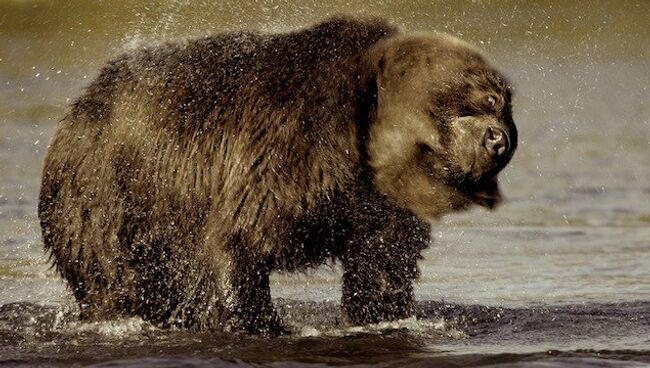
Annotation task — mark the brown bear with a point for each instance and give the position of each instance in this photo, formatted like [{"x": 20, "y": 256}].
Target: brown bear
[{"x": 187, "y": 172}]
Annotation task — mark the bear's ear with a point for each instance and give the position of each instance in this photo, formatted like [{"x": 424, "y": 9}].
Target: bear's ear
[
  {"x": 374, "y": 64},
  {"x": 368, "y": 98},
  {"x": 371, "y": 78}
]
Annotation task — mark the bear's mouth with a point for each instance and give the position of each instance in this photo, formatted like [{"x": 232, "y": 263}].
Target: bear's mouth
[
  {"x": 480, "y": 186},
  {"x": 485, "y": 193},
  {"x": 488, "y": 201}
]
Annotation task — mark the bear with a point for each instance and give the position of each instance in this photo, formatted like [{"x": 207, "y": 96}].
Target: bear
[{"x": 186, "y": 172}]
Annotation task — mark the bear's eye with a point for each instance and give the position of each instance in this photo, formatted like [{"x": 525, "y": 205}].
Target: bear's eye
[
  {"x": 467, "y": 110},
  {"x": 491, "y": 101}
]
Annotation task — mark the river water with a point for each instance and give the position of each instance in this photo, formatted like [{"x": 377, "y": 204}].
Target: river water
[{"x": 558, "y": 276}]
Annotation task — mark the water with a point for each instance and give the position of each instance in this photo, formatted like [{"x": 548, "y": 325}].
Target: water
[{"x": 558, "y": 276}]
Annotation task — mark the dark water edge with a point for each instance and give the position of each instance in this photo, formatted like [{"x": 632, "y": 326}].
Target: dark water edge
[{"x": 445, "y": 335}]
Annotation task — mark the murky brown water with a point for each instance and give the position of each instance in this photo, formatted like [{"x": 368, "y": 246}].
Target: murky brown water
[{"x": 559, "y": 276}]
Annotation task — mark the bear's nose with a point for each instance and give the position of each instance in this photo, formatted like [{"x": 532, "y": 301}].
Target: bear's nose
[{"x": 495, "y": 141}]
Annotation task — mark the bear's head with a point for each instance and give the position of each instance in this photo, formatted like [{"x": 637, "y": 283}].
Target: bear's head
[{"x": 441, "y": 125}]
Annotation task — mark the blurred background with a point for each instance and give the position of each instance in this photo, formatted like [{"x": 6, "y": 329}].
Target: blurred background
[{"x": 576, "y": 223}]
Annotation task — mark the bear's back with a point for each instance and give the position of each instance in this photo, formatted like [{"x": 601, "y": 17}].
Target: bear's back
[{"x": 195, "y": 84}]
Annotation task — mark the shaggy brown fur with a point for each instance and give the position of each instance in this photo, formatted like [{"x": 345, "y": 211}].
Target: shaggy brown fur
[{"x": 187, "y": 172}]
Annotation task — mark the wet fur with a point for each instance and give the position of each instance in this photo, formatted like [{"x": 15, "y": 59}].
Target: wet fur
[{"x": 187, "y": 172}]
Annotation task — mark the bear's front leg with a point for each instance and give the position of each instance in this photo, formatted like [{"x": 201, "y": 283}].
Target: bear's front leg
[
  {"x": 379, "y": 269},
  {"x": 248, "y": 306}
]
